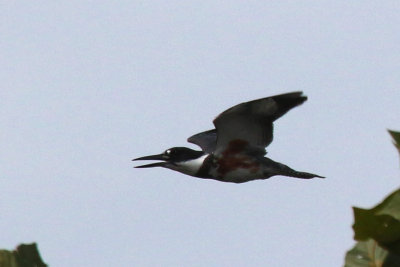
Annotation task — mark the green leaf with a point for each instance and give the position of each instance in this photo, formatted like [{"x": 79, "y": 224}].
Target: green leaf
[
  {"x": 378, "y": 231},
  {"x": 396, "y": 139},
  {"x": 381, "y": 223},
  {"x": 7, "y": 259},
  {"x": 25, "y": 255},
  {"x": 370, "y": 254}
]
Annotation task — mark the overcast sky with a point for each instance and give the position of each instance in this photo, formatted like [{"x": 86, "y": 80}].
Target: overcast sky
[{"x": 85, "y": 86}]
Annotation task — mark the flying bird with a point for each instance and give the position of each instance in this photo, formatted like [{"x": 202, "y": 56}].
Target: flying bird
[{"x": 234, "y": 151}]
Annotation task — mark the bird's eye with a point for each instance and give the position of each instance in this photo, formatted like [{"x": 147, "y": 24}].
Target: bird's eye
[{"x": 168, "y": 152}]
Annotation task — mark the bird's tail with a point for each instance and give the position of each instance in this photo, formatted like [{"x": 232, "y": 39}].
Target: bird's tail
[{"x": 282, "y": 169}]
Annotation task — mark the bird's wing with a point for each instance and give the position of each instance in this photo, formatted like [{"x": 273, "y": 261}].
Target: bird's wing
[
  {"x": 206, "y": 140},
  {"x": 249, "y": 126}
]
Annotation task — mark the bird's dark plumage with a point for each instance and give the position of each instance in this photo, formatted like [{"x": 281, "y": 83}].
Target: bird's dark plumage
[{"x": 250, "y": 121}]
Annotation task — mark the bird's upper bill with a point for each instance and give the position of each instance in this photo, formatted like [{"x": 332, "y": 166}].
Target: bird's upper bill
[{"x": 153, "y": 157}]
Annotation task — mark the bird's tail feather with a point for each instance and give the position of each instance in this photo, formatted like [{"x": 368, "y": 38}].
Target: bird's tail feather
[{"x": 282, "y": 169}]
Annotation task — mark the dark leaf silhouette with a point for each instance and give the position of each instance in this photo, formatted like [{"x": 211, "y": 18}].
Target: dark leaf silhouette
[{"x": 25, "y": 255}]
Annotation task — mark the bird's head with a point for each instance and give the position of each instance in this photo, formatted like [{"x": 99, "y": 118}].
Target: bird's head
[{"x": 171, "y": 157}]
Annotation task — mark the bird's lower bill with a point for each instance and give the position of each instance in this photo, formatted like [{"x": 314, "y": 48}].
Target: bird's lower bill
[
  {"x": 157, "y": 164},
  {"x": 152, "y": 157}
]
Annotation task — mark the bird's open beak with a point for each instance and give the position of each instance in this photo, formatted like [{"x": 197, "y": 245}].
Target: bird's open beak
[{"x": 152, "y": 157}]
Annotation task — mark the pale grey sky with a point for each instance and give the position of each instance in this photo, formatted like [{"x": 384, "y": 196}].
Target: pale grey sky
[{"x": 85, "y": 86}]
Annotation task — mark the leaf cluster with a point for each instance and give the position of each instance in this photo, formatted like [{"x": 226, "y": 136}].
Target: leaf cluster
[{"x": 377, "y": 231}]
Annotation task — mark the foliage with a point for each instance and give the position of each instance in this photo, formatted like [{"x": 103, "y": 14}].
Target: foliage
[
  {"x": 25, "y": 255},
  {"x": 369, "y": 253},
  {"x": 378, "y": 231},
  {"x": 396, "y": 139}
]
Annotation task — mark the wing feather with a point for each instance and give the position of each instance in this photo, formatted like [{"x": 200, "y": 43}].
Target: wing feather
[
  {"x": 206, "y": 140},
  {"x": 252, "y": 121}
]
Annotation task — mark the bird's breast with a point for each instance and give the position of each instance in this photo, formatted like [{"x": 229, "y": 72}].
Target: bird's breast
[{"x": 190, "y": 167}]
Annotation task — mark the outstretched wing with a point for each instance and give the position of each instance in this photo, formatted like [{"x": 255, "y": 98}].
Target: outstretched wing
[
  {"x": 206, "y": 140},
  {"x": 249, "y": 126}
]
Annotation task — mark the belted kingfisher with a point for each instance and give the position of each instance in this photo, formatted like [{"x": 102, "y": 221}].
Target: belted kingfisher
[{"x": 234, "y": 151}]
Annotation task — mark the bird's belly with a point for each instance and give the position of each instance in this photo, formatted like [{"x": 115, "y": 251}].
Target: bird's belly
[
  {"x": 239, "y": 175},
  {"x": 237, "y": 169}
]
